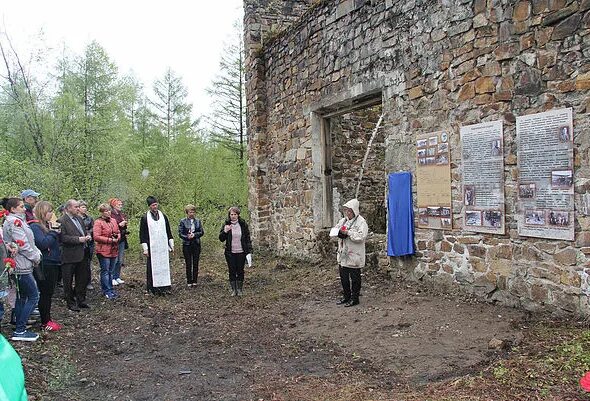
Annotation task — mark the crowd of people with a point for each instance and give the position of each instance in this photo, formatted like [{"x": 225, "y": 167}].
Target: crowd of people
[{"x": 40, "y": 250}]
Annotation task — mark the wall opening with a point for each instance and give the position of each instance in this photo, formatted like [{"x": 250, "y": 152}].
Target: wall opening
[{"x": 346, "y": 134}]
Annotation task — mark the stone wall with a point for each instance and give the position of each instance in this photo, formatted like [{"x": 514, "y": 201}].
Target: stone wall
[{"x": 436, "y": 65}]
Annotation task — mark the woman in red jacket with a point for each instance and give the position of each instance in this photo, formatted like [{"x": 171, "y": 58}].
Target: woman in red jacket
[{"x": 106, "y": 237}]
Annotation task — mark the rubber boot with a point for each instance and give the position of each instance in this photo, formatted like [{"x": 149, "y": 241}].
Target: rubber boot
[
  {"x": 240, "y": 288},
  {"x": 234, "y": 288}
]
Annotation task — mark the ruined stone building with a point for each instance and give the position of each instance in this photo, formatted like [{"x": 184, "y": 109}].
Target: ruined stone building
[{"x": 321, "y": 72}]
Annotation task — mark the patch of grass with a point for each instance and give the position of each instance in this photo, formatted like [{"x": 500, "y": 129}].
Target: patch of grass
[
  {"x": 62, "y": 372},
  {"x": 500, "y": 372}
]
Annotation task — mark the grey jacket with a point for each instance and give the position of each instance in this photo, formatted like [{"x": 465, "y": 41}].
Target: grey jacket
[{"x": 15, "y": 229}]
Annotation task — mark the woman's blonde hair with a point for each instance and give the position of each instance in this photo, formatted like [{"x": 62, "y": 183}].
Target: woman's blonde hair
[
  {"x": 190, "y": 208},
  {"x": 103, "y": 207},
  {"x": 40, "y": 211}
]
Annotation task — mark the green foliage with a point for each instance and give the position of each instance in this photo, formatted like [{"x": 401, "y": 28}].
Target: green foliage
[
  {"x": 574, "y": 355},
  {"x": 228, "y": 94},
  {"x": 95, "y": 135},
  {"x": 500, "y": 372}
]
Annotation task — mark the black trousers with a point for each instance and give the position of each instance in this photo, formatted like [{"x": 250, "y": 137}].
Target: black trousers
[
  {"x": 235, "y": 265},
  {"x": 349, "y": 276},
  {"x": 191, "y": 253},
  {"x": 76, "y": 273},
  {"x": 46, "y": 289}
]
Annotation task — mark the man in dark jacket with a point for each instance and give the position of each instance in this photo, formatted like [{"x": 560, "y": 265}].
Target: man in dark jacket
[{"x": 75, "y": 239}]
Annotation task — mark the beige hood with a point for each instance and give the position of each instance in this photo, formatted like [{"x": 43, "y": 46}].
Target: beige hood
[{"x": 354, "y": 205}]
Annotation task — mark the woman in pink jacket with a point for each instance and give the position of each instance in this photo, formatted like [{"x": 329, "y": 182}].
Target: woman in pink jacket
[{"x": 106, "y": 237}]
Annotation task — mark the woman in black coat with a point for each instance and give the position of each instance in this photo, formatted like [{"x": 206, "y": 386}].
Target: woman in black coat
[{"x": 238, "y": 245}]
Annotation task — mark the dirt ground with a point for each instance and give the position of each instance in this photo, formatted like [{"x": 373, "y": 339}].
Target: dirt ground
[{"x": 285, "y": 339}]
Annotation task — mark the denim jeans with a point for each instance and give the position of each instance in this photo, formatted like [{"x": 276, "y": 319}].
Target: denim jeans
[
  {"x": 119, "y": 261},
  {"x": 26, "y": 300},
  {"x": 107, "y": 266}
]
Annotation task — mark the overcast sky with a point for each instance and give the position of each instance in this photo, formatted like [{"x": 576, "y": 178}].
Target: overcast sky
[{"x": 145, "y": 37}]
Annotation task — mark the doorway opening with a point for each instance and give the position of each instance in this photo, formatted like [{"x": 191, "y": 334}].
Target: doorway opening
[{"x": 346, "y": 140}]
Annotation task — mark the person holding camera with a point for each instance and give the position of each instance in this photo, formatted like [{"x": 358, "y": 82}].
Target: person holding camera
[
  {"x": 106, "y": 238},
  {"x": 121, "y": 219},
  {"x": 47, "y": 240}
]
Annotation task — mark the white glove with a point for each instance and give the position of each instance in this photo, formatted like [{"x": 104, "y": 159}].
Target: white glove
[
  {"x": 171, "y": 244},
  {"x": 144, "y": 246}
]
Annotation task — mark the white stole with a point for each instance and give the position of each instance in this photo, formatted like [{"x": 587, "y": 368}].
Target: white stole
[{"x": 159, "y": 250}]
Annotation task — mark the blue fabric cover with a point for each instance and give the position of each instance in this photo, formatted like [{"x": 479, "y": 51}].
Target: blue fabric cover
[{"x": 400, "y": 225}]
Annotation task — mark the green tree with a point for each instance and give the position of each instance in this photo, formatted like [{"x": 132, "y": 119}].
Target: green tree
[
  {"x": 227, "y": 91},
  {"x": 171, "y": 109}
]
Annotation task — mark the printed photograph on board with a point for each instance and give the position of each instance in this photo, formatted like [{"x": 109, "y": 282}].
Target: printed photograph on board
[
  {"x": 534, "y": 217},
  {"x": 422, "y": 143},
  {"x": 492, "y": 218},
  {"x": 445, "y": 222},
  {"x": 430, "y": 160},
  {"x": 431, "y": 151},
  {"x": 422, "y": 161},
  {"x": 434, "y": 211},
  {"x": 422, "y": 211},
  {"x": 421, "y": 153},
  {"x": 444, "y": 137},
  {"x": 558, "y": 218},
  {"x": 526, "y": 191},
  {"x": 443, "y": 147},
  {"x": 433, "y": 141},
  {"x": 564, "y": 134},
  {"x": 442, "y": 159},
  {"x": 423, "y": 221},
  {"x": 496, "y": 147},
  {"x": 473, "y": 218},
  {"x": 563, "y": 179},
  {"x": 469, "y": 195},
  {"x": 445, "y": 211}
]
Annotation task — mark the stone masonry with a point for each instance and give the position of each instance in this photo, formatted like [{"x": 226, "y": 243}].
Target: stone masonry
[{"x": 429, "y": 65}]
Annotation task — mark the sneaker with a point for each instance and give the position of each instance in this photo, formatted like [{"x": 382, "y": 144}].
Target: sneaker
[
  {"x": 51, "y": 326},
  {"x": 24, "y": 336},
  {"x": 120, "y": 281},
  {"x": 35, "y": 312},
  {"x": 89, "y": 287},
  {"x": 111, "y": 295},
  {"x": 115, "y": 282}
]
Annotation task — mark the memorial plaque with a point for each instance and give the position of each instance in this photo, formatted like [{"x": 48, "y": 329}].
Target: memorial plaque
[
  {"x": 433, "y": 180},
  {"x": 546, "y": 175},
  {"x": 483, "y": 177}
]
